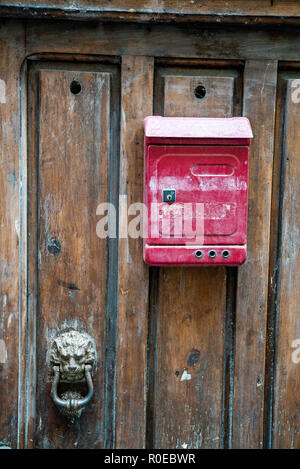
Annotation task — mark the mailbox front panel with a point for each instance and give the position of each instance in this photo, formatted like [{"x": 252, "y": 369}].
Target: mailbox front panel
[
  {"x": 196, "y": 190},
  {"x": 207, "y": 182}
]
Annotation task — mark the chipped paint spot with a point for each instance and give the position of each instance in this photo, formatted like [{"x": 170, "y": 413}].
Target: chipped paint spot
[
  {"x": 4, "y": 445},
  {"x": 123, "y": 118},
  {"x": 11, "y": 177},
  {"x": 259, "y": 382},
  {"x": 17, "y": 227},
  {"x": 3, "y": 352},
  {"x": 185, "y": 376},
  {"x": 10, "y": 318},
  {"x": 2, "y": 92}
]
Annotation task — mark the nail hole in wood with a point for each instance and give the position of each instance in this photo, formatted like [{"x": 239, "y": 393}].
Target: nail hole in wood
[
  {"x": 75, "y": 87},
  {"x": 200, "y": 91}
]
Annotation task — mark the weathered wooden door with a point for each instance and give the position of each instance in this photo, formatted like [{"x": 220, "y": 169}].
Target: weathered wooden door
[{"x": 185, "y": 357}]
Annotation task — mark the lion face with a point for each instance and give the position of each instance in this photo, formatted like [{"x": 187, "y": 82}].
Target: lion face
[{"x": 72, "y": 351}]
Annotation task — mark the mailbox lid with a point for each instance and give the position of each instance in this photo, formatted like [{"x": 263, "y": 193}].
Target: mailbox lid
[
  {"x": 200, "y": 130},
  {"x": 214, "y": 176}
]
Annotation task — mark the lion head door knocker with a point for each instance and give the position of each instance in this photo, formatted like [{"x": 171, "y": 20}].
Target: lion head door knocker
[{"x": 72, "y": 357}]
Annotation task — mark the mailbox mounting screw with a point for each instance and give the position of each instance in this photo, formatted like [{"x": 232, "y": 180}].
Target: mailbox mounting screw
[
  {"x": 212, "y": 253},
  {"x": 225, "y": 253},
  {"x": 198, "y": 253}
]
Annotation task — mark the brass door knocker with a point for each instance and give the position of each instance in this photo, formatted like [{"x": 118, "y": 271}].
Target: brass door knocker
[{"x": 72, "y": 357}]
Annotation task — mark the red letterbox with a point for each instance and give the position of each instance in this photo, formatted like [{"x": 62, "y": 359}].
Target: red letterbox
[{"x": 195, "y": 190}]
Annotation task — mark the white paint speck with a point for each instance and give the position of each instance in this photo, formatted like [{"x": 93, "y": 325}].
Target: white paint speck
[
  {"x": 10, "y": 318},
  {"x": 2, "y": 92},
  {"x": 185, "y": 376},
  {"x": 17, "y": 227},
  {"x": 3, "y": 352}
]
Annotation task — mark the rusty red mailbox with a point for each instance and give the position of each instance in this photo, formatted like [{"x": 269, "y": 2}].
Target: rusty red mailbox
[{"x": 195, "y": 190}]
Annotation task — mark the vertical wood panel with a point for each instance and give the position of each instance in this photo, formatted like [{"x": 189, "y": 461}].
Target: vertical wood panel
[
  {"x": 189, "y": 363},
  {"x": 191, "y": 302},
  {"x": 137, "y": 95},
  {"x": 251, "y": 314},
  {"x": 68, "y": 179},
  {"x": 72, "y": 180},
  {"x": 11, "y": 56},
  {"x": 286, "y": 419},
  {"x": 216, "y": 83}
]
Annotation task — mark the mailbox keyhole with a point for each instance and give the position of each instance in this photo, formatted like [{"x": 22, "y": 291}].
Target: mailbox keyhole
[
  {"x": 169, "y": 195},
  {"x": 200, "y": 91}
]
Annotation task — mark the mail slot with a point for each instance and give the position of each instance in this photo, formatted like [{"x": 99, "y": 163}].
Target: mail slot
[{"x": 196, "y": 190}]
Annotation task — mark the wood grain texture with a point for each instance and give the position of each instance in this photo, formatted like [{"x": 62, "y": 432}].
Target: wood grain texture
[
  {"x": 194, "y": 400},
  {"x": 190, "y": 306},
  {"x": 137, "y": 97},
  {"x": 151, "y": 40},
  {"x": 189, "y": 361},
  {"x": 11, "y": 56},
  {"x": 251, "y": 312},
  {"x": 214, "y": 84},
  {"x": 286, "y": 405},
  {"x": 71, "y": 138},
  {"x": 167, "y": 10}
]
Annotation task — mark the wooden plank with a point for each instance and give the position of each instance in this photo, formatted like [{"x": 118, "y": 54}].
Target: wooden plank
[
  {"x": 286, "y": 403},
  {"x": 164, "y": 40},
  {"x": 251, "y": 313},
  {"x": 137, "y": 93},
  {"x": 189, "y": 358},
  {"x": 190, "y": 306},
  {"x": 214, "y": 84},
  {"x": 12, "y": 51},
  {"x": 67, "y": 260},
  {"x": 151, "y": 10}
]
